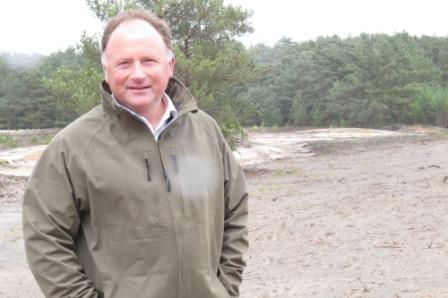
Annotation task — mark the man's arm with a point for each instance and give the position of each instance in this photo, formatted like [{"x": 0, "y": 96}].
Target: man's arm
[
  {"x": 235, "y": 242},
  {"x": 51, "y": 223}
]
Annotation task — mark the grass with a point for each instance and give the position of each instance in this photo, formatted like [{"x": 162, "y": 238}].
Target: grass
[
  {"x": 8, "y": 141},
  {"x": 285, "y": 173},
  {"x": 41, "y": 140}
]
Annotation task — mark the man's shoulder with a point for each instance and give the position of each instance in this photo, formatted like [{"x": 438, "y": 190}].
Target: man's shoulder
[
  {"x": 209, "y": 129},
  {"x": 205, "y": 120},
  {"x": 71, "y": 143},
  {"x": 80, "y": 132}
]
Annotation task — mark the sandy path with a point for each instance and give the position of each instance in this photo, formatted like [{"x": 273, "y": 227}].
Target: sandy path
[
  {"x": 351, "y": 218},
  {"x": 366, "y": 221},
  {"x": 16, "y": 279}
]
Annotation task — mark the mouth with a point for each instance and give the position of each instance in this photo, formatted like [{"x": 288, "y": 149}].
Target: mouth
[{"x": 138, "y": 88}]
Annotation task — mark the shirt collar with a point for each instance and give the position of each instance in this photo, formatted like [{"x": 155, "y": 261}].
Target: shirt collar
[
  {"x": 170, "y": 111},
  {"x": 169, "y": 114}
]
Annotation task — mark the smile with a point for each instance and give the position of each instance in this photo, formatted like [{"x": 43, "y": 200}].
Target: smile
[{"x": 137, "y": 88}]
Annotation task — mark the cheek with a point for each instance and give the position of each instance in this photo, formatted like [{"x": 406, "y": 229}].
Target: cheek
[
  {"x": 109, "y": 76},
  {"x": 115, "y": 80},
  {"x": 161, "y": 73},
  {"x": 168, "y": 70}
]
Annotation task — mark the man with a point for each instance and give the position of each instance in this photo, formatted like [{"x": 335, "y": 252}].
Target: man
[{"x": 140, "y": 197}]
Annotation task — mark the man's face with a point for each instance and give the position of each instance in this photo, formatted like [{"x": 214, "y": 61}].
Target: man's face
[{"x": 137, "y": 65}]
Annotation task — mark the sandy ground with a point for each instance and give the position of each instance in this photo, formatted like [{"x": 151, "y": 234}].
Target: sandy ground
[{"x": 331, "y": 216}]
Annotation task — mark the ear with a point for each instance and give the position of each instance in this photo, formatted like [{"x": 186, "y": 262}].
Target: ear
[
  {"x": 103, "y": 66},
  {"x": 105, "y": 75},
  {"x": 171, "y": 64}
]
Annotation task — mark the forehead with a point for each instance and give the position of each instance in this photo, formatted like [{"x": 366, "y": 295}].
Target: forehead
[{"x": 134, "y": 31}]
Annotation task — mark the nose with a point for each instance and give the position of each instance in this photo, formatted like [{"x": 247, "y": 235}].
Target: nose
[{"x": 137, "y": 72}]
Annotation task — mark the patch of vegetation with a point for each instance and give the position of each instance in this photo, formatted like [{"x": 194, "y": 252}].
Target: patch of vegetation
[
  {"x": 285, "y": 173},
  {"x": 41, "y": 140},
  {"x": 3, "y": 162},
  {"x": 8, "y": 141},
  {"x": 353, "y": 146}
]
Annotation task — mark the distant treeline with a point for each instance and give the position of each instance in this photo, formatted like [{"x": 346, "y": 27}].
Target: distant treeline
[
  {"x": 47, "y": 94},
  {"x": 368, "y": 81}
]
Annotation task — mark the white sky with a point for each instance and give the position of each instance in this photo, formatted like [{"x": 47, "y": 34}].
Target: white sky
[
  {"x": 307, "y": 19},
  {"x": 45, "y": 26}
]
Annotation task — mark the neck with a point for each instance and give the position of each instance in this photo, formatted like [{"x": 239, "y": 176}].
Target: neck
[{"x": 154, "y": 112}]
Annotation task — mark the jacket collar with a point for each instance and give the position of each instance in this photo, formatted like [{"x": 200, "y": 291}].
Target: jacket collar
[{"x": 182, "y": 99}]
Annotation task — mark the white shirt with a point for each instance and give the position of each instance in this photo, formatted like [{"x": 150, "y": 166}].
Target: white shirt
[{"x": 169, "y": 115}]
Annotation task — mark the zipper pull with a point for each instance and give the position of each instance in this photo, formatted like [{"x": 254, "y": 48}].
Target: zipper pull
[
  {"x": 167, "y": 181},
  {"x": 148, "y": 172}
]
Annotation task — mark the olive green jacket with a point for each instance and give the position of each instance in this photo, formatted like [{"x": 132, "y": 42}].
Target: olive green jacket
[{"x": 109, "y": 212}]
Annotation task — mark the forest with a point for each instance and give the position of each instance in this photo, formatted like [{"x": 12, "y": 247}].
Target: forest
[{"x": 371, "y": 80}]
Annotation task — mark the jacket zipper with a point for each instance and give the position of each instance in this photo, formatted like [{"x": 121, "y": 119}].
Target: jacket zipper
[
  {"x": 168, "y": 185},
  {"x": 168, "y": 188}
]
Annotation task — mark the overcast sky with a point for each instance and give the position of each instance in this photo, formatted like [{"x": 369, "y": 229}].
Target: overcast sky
[{"x": 45, "y": 26}]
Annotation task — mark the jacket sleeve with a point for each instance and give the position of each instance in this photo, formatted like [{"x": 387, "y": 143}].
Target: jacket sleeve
[
  {"x": 235, "y": 240},
  {"x": 51, "y": 223}
]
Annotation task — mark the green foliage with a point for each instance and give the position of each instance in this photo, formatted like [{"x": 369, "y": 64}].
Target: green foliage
[
  {"x": 77, "y": 90},
  {"x": 211, "y": 63},
  {"x": 50, "y": 95},
  {"x": 430, "y": 105},
  {"x": 65, "y": 84},
  {"x": 8, "y": 141},
  {"x": 232, "y": 131},
  {"x": 104, "y": 9},
  {"x": 366, "y": 81},
  {"x": 24, "y": 101},
  {"x": 41, "y": 140},
  {"x": 370, "y": 81}
]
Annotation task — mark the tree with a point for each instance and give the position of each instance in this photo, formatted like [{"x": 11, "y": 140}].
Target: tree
[
  {"x": 369, "y": 80},
  {"x": 430, "y": 105},
  {"x": 24, "y": 102},
  {"x": 209, "y": 59}
]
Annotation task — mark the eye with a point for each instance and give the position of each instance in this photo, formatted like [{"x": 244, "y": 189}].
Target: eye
[
  {"x": 149, "y": 61},
  {"x": 124, "y": 64}
]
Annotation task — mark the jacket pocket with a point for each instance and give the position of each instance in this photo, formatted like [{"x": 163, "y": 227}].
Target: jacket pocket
[
  {"x": 123, "y": 193},
  {"x": 151, "y": 187},
  {"x": 219, "y": 286}
]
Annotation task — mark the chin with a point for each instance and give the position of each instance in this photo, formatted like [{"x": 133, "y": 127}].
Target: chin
[{"x": 139, "y": 101}]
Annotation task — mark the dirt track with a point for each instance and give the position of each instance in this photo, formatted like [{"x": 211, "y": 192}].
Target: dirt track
[
  {"x": 359, "y": 218},
  {"x": 362, "y": 218}
]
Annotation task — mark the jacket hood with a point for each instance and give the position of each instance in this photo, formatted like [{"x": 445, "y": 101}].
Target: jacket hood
[{"x": 182, "y": 99}]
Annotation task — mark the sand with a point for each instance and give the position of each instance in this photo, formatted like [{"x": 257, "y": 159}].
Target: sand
[{"x": 329, "y": 217}]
